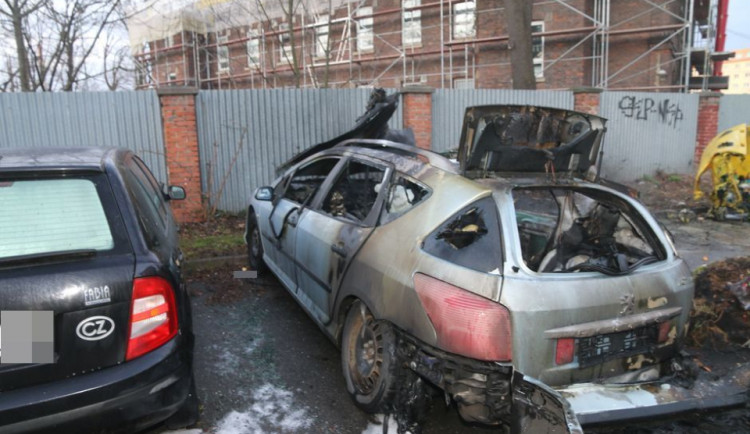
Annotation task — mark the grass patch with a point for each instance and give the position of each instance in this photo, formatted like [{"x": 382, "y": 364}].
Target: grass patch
[{"x": 208, "y": 246}]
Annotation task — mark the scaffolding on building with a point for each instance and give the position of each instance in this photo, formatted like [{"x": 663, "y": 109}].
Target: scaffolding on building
[{"x": 190, "y": 46}]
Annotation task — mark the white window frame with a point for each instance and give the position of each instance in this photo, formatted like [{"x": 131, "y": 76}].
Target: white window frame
[
  {"x": 411, "y": 33},
  {"x": 321, "y": 36},
  {"x": 285, "y": 44},
  {"x": 222, "y": 53},
  {"x": 464, "y": 20},
  {"x": 365, "y": 33},
  {"x": 463, "y": 83},
  {"x": 252, "y": 46},
  {"x": 538, "y": 59}
]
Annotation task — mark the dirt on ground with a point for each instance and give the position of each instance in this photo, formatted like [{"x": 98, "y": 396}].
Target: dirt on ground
[{"x": 673, "y": 193}]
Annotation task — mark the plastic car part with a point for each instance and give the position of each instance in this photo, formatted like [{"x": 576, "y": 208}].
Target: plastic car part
[
  {"x": 153, "y": 317},
  {"x": 465, "y": 323},
  {"x": 726, "y": 157}
]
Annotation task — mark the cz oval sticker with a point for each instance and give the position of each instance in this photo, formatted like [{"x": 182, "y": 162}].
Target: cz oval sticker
[{"x": 95, "y": 328}]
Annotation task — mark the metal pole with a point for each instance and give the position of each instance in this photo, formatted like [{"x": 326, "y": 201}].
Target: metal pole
[
  {"x": 688, "y": 45},
  {"x": 442, "y": 49}
]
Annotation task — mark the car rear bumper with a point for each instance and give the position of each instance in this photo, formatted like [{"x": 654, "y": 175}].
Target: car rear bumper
[{"x": 126, "y": 397}]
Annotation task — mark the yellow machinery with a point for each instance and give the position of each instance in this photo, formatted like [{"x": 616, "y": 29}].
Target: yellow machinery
[{"x": 727, "y": 157}]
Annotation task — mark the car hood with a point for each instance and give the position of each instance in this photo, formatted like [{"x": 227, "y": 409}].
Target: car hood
[
  {"x": 528, "y": 139},
  {"x": 373, "y": 124}
]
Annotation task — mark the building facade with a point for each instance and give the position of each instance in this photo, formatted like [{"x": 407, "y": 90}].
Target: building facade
[
  {"x": 215, "y": 44},
  {"x": 737, "y": 69}
]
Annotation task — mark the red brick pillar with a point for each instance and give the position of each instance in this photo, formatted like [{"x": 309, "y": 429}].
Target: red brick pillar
[
  {"x": 418, "y": 113},
  {"x": 181, "y": 149},
  {"x": 708, "y": 121},
  {"x": 587, "y": 99}
]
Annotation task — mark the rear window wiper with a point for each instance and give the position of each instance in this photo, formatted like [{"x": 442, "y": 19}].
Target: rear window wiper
[{"x": 47, "y": 257}]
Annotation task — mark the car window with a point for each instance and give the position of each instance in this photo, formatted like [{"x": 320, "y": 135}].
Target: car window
[
  {"x": 308, "y": 179},
  {"x": 470, "y": 238},
  {"x": 51, "y": 215},
  {"x": 403, "y": 195},
  {"x": 148, "y": 202},
  {"x": 152, "y": 189},
  {"x": 355, "y": 191}
]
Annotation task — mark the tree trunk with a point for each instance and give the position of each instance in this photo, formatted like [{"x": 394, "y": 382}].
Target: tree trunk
[
  {"x": 518, "y": 21},
  {"x": 24, "y": 73}
]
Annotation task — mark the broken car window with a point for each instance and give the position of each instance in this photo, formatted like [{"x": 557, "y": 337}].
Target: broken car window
[
  {"x": 568, "y": 230},
  {"x": 403, "y": 195},
  {"x": 353, "y": 194},
  {"x": 308, "y": 179},
  {"x": 470, "y": 238}
]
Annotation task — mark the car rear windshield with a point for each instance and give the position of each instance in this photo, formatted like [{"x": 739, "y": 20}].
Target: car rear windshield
[{"x": 44, "y": 216}]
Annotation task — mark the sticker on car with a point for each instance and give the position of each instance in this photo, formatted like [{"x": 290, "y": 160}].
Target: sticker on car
[{"x": 95, "y": 328}]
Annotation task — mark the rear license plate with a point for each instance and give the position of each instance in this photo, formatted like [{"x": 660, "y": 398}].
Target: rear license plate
[{"x": 597, "y": 349}]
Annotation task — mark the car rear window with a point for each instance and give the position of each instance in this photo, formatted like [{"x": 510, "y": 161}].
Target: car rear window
[{"x": 51, "y": 215}]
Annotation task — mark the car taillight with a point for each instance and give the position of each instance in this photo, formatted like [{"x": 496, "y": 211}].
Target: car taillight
[
  {"x": 153, "y": 316},
  {"x": 565, "y": 351},
  {"x": 465, "y": 323},
  {"x": 664, "y": 331}
]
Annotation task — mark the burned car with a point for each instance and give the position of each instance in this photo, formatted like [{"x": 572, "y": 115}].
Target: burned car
[{"x": 507, "y": 279}]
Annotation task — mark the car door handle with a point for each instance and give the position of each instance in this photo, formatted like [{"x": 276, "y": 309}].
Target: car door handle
[
  {"x": 293, "y": 219},
  {"x": 340, "y": 250}
]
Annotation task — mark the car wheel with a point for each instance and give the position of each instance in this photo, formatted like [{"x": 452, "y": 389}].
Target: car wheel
[
  {"x": 254, "y": 245},
  {"x": 368, "y": 358}
]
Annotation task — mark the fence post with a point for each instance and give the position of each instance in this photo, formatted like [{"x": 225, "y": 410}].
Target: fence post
[
  {"x": 418, "y": 113},
  {"x": 587, "y": 99},
  {"x": 708, "y": 121},
  {"x": 181, "y": 149}
]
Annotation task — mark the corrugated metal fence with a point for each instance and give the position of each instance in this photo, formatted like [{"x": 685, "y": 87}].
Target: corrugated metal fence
[
  {"x": 734, "y": 110},
  {"x": 108, "y": 119},
  {"x": 647, "y": 132},
  {"x": 449, "y": 105},
  {"x": 244, "y": 135}
]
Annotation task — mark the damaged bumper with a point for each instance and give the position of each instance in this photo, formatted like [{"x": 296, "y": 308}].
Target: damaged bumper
[
  {"x": 599, "y": 403},
  {"x": 489, "y": 392}
]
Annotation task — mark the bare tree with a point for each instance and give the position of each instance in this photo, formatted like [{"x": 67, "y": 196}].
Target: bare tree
[
  {"x": 17, "y": 13},
  {"x": 518, "y": 20}
]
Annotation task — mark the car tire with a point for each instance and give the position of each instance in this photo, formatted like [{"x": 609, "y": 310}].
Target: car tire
[
  {"x": 368, "y": 359},
  {"x": 254, "y": 245}
]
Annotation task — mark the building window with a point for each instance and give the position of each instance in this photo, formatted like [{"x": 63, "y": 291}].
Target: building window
[
  {"x": 537, "y": 48},
  {"x": 321, "y": 37},
  {"x": 412, "y": 29},
  {"x": 222, "y": 52},
  {"x": 464, "y": 19},
  {"x": 285, "y": 40},
  {"x": 364, "y": 30},
  {"x": 253, "y": 49},
  {"x": 463, "y": 83}
]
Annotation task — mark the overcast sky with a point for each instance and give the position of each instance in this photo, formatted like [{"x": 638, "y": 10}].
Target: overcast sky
[{"x": 738, "y": 31}]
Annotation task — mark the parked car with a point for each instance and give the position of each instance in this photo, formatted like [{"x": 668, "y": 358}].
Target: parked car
[
  {"x": 496, "y": 278},
  {"x": 87, "y": 236}
]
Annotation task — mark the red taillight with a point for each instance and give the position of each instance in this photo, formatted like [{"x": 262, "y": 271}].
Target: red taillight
[
  {"x": 466, "y": 324},
  {"x": 153, "y": 316},
  {"x": 664, "y": 331},
  {"x": 565, "y": 351}
]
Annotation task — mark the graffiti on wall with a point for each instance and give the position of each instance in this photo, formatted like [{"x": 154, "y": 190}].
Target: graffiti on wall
[{"x": 644, "y": 109}]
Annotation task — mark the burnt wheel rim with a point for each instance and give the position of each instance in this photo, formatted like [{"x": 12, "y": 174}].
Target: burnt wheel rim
[
  {"x": 255, "y": 244},
  {"x": 366, "y": 357}
]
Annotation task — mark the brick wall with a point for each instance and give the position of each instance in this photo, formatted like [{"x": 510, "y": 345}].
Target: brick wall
[
  {"x": 418, "y": 113},
  {"x": 181, "y": 149},
  {"x": 708, "y": 122},
  {"x": 587, "y": 99}
]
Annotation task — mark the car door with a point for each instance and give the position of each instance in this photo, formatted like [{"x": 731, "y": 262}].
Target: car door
[
  {"x": 289, "y": 209},
  {"x": 331, "y": 233}
]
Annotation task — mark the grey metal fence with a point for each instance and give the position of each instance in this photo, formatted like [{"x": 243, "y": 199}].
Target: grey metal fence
[
  {"x": 108, "y": 119},
  {"x": 449, "y": 105},
  {"x": 244, "y": 135},
  {"x": 734, "y": 110},
  {"x": 647, "y": 132}
]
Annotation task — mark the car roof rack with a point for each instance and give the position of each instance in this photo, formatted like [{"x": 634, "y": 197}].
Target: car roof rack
[{"x": 433, "y": 158}]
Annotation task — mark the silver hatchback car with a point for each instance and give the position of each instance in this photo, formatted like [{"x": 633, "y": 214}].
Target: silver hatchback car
[{"x": 508, "y": 278}]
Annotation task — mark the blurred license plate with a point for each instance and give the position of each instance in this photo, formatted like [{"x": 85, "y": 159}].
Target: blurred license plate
[{"x": 597, "y": 349}]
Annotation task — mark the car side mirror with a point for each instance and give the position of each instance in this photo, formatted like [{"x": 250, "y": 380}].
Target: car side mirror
[
  {"x": 175, "y": 192},
  {"x": 264, "y": 193}
]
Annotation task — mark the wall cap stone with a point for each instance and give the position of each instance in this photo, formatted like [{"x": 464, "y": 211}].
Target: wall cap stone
[
  {"x": 586, "y": 89},
  {"x": 176, "y": 90},
  {"x": 708, "y": 94},
  {"x": 417, "y": 89}
]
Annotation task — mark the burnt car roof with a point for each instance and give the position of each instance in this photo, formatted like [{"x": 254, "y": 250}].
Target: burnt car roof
[{"x": 57, "y": 158}]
